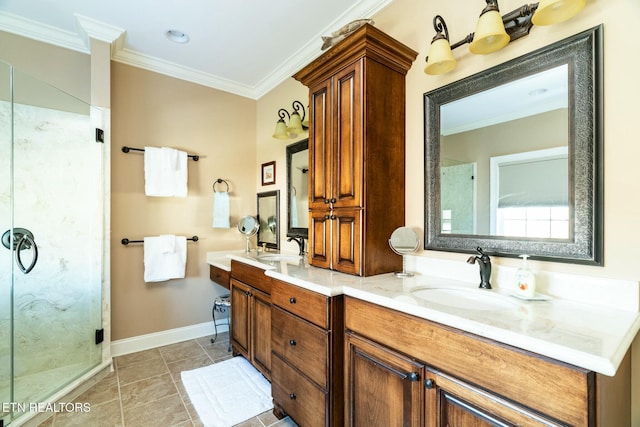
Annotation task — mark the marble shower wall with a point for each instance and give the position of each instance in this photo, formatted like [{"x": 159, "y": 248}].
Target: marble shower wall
[{"x": 58, "y": 195}]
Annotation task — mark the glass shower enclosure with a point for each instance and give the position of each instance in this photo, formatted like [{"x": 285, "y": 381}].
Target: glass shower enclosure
[{"x": 51, "y": 258}]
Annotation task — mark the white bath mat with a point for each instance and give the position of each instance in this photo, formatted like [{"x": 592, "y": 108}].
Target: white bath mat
[{"x": 227, "y": 393}]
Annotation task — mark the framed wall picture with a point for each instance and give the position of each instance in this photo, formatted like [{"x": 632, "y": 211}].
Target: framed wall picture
[{"x": 269, "y": 173}]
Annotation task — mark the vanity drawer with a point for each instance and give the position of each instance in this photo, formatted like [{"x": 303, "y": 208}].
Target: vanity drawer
[
  {"x": 301, "y": 344},
  {"x": 298, "y": 397},
  {"x": 252, "y": 275},
  {"x": 309, "y": 305},
  {"x": 220, "y": 276}
]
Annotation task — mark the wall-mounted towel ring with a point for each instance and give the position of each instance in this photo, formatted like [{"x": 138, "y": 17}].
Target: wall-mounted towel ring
[{"x": 220, "y": 181}]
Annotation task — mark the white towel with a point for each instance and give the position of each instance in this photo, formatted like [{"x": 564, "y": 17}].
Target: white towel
[
  {"x": 165, "y": 172},
  {"x": 294, "y": 211},
  {"x": 221, "y": 210},
  {"x": 165, "y": 258}
]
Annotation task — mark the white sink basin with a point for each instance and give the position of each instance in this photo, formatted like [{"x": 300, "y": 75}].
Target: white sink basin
[
  {"x": 278, "y": 257},
  {"x": 468, "y": 299}
]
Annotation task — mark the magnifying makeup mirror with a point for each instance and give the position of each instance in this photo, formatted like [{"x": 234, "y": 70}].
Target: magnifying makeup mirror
[
  {"x": 404, "y": 241},
  {"x": 248, "y": 226}
]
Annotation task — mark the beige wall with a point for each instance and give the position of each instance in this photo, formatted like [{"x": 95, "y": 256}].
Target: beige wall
[{"x": 149, "y": 109}]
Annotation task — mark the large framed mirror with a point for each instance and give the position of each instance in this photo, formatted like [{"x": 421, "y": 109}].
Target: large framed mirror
[
  {"x": 298, "y": 189},
  {"x": 513, "y": 156},
  {"x": 269, "y": 219}
]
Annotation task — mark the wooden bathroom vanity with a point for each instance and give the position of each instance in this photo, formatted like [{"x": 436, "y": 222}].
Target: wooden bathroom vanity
[
  {"x": 403, "y": 370},
  {"x": 341, "y": 350}
]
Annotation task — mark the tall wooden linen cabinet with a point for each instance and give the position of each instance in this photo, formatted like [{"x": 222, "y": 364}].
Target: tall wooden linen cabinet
[{"x": 357, "y": 152}]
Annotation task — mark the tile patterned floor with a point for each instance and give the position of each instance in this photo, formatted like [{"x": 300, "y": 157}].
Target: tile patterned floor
[{"x": 145, "y": 390}]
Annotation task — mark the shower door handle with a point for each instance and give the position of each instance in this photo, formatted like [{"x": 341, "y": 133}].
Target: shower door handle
[
  {"x": 27, "y": 242},
  {"x": 17, "y": 239}
]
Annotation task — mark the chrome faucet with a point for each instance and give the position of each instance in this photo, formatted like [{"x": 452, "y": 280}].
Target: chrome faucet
[
  {"x": 485, "y": 267},
  {"x": 300, "y": 242}
]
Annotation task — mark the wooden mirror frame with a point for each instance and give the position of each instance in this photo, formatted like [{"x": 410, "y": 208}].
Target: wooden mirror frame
[{"x": 583, "y": 54}]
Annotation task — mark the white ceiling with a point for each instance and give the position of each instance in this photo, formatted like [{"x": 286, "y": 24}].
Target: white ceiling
[
  {"x": 240, "y": 46},
  {"x": 531, "y": 95}
]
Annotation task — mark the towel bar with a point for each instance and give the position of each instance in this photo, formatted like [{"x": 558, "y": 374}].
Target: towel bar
[
  {"x": 126, "y": 149},
  {"x": 127, "y": 241}
]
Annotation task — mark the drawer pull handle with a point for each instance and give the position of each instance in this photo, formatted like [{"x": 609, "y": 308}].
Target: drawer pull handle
[
  {"x": 292, "y": 396},
  {"x": 292, "y": 300},
  {"x": 429, "y": 384},
  {"x": 292, "y": 342}
]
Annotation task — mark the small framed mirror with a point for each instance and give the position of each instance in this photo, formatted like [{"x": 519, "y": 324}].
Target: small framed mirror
[
  {"x": 269, "y": 219},
  {"x": 298, "y": 189}
]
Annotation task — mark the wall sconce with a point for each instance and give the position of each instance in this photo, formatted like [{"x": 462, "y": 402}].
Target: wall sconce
[
  {"x": 493, "y": 31},
  {"x": 297, "y": 124}
]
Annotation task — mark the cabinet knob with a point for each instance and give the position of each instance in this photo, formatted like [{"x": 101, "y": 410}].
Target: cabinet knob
[
  {"x": 334, "y": 200},
  {"x": 428, "y": 383},
  {"x": 247, "y": 293},
  {"x": 326, "y": 217},
  {"x": 333, "y": 217},
  {"x": 414, "y": 376},
  {"x": 327, "y": 201},
  {"x": 292, "y": 396},
  {"x": 292, "y": 300},
  {"x": 292, "y": 342}
]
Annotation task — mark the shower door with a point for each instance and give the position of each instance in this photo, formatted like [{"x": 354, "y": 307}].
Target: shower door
[{"x": 51, "y": 260}]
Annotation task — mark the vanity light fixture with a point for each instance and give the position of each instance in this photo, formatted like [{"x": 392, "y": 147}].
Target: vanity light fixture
[
  {"x": 493, "y": 31},
  {"x": 297, "y": 124}
]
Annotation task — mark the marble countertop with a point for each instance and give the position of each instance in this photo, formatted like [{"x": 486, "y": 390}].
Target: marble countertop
[{"x": 588, "y": 336}]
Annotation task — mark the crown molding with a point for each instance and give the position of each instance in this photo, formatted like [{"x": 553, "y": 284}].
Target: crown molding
[
  {"x": 171, "y": 69},
  {"x": 99, "y": 30},
  {"x": 41, "y": 32}
]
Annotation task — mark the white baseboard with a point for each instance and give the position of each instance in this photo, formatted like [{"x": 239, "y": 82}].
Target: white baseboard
[{"x": 159, "y": 339}]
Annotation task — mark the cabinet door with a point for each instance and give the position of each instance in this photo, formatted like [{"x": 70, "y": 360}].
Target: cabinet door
[
  {"x": 383, "y": 388},
  {"x": 346, "y": 241},
  {"x": 347, "y": 155},
  {"x": 320, "y": 239},
  {"x": 451, "y": 402},
  {"x": 261, "y": 332},
  {"x": 320, "y": 137},
  {"x": 240, "y": 294}
]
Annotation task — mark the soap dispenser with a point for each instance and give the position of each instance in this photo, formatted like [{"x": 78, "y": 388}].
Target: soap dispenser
[{"x": 525, "y": 280}]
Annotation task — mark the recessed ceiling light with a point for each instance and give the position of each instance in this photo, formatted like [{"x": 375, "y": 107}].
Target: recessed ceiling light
[{"x": 177, "y": 36}]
